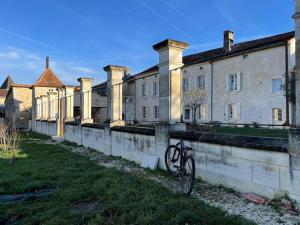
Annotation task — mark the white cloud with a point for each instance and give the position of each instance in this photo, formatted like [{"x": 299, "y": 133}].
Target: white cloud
[
  {"x": 9, "y": 55},
  {"x": 83, "y": 70},
  {"x": 25, "y": 66}
]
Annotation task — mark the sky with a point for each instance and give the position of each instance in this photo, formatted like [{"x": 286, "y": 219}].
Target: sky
[{"x": 81, "y": 37}]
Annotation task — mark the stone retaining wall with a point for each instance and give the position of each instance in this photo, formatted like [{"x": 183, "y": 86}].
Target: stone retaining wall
[{"x": 260, "y": 166}]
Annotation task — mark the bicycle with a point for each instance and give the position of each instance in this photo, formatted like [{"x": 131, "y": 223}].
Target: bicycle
[{"x": 180, "y": 163}]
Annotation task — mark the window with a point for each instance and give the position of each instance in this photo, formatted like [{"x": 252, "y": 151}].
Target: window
[
  {"x": 233, "y": 82},
  {"x": 277, "y": 85},
  {"x": 156, "y": 112},
  {"x": 277, "y": 115},
  {"x": 185, "y": 85},
  {"x": 231, "y": 112},
  {"x": 201, "y": 82},
  {"x": 155, "y": 91},
  {"x": 143, "y": 89},
  {"x": 144, "y": 114},
  {"x": 202, "y": 112},
  {"x": 187, "y": 114}
]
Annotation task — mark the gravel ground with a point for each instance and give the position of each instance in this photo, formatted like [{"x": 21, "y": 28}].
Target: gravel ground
[{"x": 230, "y": 201}]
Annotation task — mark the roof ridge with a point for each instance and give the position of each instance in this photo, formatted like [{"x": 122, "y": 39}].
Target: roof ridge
[{"x": 48, "y": 79}]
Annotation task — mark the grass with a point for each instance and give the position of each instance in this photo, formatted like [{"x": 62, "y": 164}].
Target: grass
[
  {"x": 260, "y": 132},
  {"x": 125, "y": 198}
]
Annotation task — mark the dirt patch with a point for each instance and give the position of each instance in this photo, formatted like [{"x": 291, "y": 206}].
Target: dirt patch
[
  {"x": 25, "y": 196},
  {"x": 83, "y": 207}
]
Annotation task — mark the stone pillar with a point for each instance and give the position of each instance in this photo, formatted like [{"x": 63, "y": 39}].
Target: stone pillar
[
  {"x": 294, "y": 135},
  {"x": 115, "y": 76},
  {"x": 38, "y": 107},
  {"x": 86, "y": 99},
  {"x": 44, "y": 100},
  {"x": 170, "y": 63},
  {"x": 69, "y": 103},
  {"x": 52, "y": 109},
  {"x": 60, "y": 113}
]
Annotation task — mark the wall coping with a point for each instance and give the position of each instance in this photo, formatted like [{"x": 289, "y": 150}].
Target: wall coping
[
  {"x": 261, "y": 143},
  {"x": 73, "y": 123},
  {"x": 93, "y": 125},
  {"x": 135, "y": 130}
]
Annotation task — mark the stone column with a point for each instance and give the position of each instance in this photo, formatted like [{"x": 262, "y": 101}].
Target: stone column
[
  {"x": 38, "y": 108},
  {"x": 170, "y": 63},
  {"x": 44, "y": 107},
  {"x": 86, "y": 99},
  {"x": 294, "y": 135},
  {"x": 69, "y": 103},
  {"x": 60, "y": 113},
  {"x": 115, "y": 76},
  {"x": 52, "y": 105},
  {"x": 296, "y": 17}
]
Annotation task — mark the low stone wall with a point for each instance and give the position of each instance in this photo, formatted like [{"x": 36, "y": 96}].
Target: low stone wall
[
  {"x": 44, "y": 127},
  {"x": 246, "y": 164}
]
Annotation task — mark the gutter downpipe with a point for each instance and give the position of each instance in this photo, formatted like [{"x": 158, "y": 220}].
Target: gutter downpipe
[
  {"x": 287, "y": 102},
  {"x": 211, "y": 91}
]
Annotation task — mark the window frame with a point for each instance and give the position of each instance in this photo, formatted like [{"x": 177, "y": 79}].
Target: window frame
[
  {"x": 144, "y": 112},
  {"x": 156, "y": 112},
  {"x": 143, "y": 90},
  {"x": 274, "y": 85},
  {"x": 189, "y": 117},
  {"x": 185, "y": 85},
  {"x": 277, "y": 117},
  {"x": 201, "y": 82}
]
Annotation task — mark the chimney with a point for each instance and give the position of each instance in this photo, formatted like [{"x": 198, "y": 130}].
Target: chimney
[
  {"x": 47, "y": 62},
  {"x": 228, "y": 40}
]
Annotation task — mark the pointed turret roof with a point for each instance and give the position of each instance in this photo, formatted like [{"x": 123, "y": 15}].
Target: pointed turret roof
[
  {"x": 48, "y": 79},
  {"x": 7, "y": 83}
]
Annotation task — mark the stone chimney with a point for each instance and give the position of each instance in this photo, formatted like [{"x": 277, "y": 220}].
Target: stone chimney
[
  {"x": 115, "y": 76},
  {"x": 170, "y": 63},
  {"x": 47, "y": 62},
  {"x": 228, "y": 40}
]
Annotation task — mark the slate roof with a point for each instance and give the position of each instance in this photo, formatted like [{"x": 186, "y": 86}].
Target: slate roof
[
  {"x": 237, "y": 49},
  {"x": 48, "y": 79},
  {"x": 7, "y": 83}
]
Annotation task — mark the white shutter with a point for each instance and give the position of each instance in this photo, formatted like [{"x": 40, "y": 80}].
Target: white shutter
[
  {"x": 238, "y": 112},
  {"x": 226, "y": 112},
  {"x": 227, "y": 82},
  {"x": 239, "y": 81},
  {"x": 204, "y": 111}
]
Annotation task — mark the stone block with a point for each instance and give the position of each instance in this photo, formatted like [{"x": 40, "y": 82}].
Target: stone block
[{"x": 266, "y": 174}]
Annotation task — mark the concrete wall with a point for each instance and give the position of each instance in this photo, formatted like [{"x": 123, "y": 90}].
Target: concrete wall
[
  {"x": 43, "y": 127},
  {"x": 244, "y": 169}
]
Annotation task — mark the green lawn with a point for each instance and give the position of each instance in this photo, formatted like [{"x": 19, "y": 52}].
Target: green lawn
[
  {"x": 261, "y": 132},
  {"x": 125, "y": 198}
]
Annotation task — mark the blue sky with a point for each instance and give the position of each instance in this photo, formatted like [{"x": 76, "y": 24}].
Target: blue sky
[{"x": 81, "y": 37}]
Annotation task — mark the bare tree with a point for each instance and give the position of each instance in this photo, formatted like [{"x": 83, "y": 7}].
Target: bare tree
[
  {"x": 9, "y": 140},
  {"x": 193, "y": 100}
]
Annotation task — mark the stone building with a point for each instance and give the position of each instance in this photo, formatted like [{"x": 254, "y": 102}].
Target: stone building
[
  {"x": 239, "y": 83},
  {"x": 3, "y": 92}
]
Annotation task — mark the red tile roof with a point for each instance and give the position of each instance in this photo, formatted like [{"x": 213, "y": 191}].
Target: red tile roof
[
  {"x": 3, "y": 93},
  {"x": 48, "y": 79}
]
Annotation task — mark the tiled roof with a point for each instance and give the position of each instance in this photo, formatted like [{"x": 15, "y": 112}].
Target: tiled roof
[
  {"x": 3, "y": 92},
  {"x": 220, "y": 53},
  {"x": 7, "y": 83},
  {"x": 48, "y": 79}
]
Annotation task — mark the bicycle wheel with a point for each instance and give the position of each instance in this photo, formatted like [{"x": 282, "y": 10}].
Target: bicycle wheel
[
  {"x": 187, "y": 176},
  {"x": 172, "y": 159}
]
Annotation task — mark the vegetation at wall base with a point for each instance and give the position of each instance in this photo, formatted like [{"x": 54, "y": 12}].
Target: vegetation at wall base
[{"x": 123, "y": 197}]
